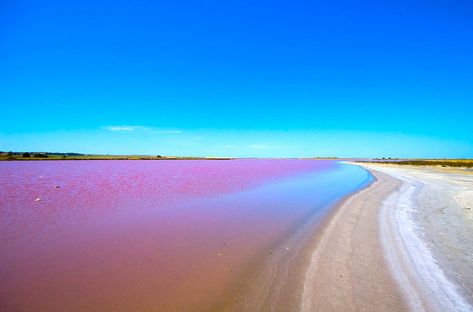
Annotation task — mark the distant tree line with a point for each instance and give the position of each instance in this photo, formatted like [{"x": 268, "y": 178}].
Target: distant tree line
[{"x": 39, "y": 154}]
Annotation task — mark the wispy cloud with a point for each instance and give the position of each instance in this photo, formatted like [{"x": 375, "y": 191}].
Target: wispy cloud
[
  {"x": 141, "y": 129},
  {"x": 123, "y": 128}
]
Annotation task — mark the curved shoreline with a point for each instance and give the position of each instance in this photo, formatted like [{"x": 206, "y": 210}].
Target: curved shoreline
[
  {"x": 363, "y": 254},
  {"x": 275, "y": 283}
]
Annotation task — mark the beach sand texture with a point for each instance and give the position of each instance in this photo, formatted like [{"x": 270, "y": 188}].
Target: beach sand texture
[
  {"x": 403, "y": 244},
  {"x": 426, "y": 232},
  {"x": 347, "y": 271}
]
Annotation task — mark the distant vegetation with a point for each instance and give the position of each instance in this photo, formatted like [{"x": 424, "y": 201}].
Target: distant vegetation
[
  {"x": 467, "y": 163},
  {"x": 77, "y": 156}
]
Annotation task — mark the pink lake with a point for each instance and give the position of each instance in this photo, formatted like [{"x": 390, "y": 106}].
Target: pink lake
[{"x": 150, "y": 235}]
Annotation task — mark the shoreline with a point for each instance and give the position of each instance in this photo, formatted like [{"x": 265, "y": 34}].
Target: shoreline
[
  {"x": 364, "y": 253},
  {"x": 347, "y": 271},
  {"x": 277, "y": 283}
]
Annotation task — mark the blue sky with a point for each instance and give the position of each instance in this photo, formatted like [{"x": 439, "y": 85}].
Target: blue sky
[{"x": 238, "y": 78}]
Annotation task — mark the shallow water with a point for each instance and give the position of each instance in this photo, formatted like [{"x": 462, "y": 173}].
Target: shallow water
[{"x": 149, "y": 235}]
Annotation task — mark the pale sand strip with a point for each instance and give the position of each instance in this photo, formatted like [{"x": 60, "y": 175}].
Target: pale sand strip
[
  {"x": 427, "y": 195},
  {"x": 347, "y": 270}
]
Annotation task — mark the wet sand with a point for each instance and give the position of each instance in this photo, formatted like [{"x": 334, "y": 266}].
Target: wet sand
[
  {"x": 347, "y": 271},
  {"x": 334, "y": 263}
]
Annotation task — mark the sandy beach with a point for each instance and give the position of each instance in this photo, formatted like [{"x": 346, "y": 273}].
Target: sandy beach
[{"x": 402, "y": 244}]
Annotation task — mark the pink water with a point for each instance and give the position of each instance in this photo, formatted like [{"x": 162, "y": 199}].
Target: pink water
[{"x": 147, "y": 235}]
